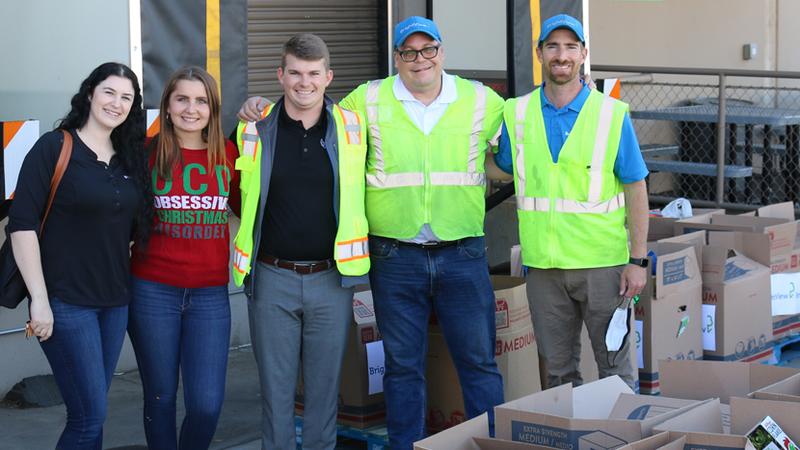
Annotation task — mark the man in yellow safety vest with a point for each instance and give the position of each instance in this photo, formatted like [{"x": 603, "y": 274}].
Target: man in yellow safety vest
[
  {"x": 579, "y": 179},
  {"x": 303, "y": 237}
]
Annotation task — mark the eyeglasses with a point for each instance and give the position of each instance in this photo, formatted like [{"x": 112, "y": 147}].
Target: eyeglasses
[{"x": 411, "y": 55}]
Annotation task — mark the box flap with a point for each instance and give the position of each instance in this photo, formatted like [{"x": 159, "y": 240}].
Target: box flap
[
  {"x": 721, "y": 379},
  {"x": 695, "y": 238},
  {"x": 556, "y": 401},
  {"x": 502, "y": 444},
  {"x": 783, "y": 210},
  {"x": 787, "y": 389},
  {"x": 782, "y": 233},
  {"x": 675, "y": 265},
  {"x": 643, "y": 407},
  {"x": 753, "y": 245},
  {"x": 459, "y": 437},
  {"x": 658, "y": 441},
  {"x": 763, "y": 375},
  {"x": 705, "y": 417},
  {"x": 747, "y": 412},
  {"x": 596, "y": 400},
  {"x": 726, "y": 265}
]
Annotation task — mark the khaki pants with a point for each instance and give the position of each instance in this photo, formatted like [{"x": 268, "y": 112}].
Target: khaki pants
[{"x": 560, "y": 300}]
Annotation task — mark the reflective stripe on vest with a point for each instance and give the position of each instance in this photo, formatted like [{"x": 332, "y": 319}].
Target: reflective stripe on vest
[
  {"x": 250, "y": 146},
  {"x": 352, "y": 126},
  {"x": 592, "y": 205},
  {"x": 353, "y": 249},
  {"x": 542, "y": 204},
  {"x": 469, "y": 178}
]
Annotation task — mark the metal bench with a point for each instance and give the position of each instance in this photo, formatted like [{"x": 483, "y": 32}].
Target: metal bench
[
  {"x": 649, "y": 150},
  {"x": 695, "y": 168}
]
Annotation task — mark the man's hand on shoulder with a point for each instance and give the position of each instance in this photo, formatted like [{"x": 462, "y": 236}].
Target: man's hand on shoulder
[{"x": 252, "y": 108}]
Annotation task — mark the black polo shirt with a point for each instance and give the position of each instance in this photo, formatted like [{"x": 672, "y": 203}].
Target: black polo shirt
[
  {"x": 299, "y": 221},
  {"x": 85, "y": 247}
]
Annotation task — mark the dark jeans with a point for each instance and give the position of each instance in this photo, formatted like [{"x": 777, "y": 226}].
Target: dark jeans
[
  {"x": 83, "y": 352},
  {"x": 407, "y": 283},
  {"x": 188, "y": 330}
]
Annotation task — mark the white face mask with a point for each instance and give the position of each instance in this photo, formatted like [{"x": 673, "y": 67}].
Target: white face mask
[{"x": 618, "y": 327}]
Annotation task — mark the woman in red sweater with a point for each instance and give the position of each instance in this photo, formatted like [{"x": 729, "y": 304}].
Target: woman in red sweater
[{"x": 180, "y": 317}]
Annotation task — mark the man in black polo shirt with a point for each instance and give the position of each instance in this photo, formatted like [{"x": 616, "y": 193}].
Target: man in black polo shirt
[{"x": 298, "y": 304}]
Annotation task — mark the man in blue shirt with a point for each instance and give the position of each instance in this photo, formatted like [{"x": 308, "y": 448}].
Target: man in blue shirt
[{"x": 563, "y": 290}]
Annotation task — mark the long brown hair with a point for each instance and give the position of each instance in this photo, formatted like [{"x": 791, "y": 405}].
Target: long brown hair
[{"x": 168, "y": 152}]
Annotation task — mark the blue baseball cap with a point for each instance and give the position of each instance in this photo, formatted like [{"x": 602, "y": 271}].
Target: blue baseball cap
[
  {"x": 415, "y": 24},
  {"x": 561, "y": 21}
]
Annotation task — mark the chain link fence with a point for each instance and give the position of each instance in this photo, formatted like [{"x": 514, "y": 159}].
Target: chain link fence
[{"x": 739, "y": 157}]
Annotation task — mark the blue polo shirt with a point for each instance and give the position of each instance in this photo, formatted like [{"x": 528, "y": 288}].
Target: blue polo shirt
[{"x": 629, "y": 166}]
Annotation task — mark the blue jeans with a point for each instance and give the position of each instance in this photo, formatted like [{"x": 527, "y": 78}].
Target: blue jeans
[
  {"x": 83, "y": 352},
  {"x": 188, "y": 330},
  {"x": 407, "y": 282}
]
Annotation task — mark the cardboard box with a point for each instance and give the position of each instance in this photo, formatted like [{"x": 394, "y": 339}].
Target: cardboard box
[
  {"x": 787, "y": 390},
  {"x": 746, "y": 413},
  {"x": 719, "y": 379},
  {"x": 357, "y": 408},
  {"x": 16, "y": 138},
  {"x": 737, "y": 317},
  {"x": 515, "y": 352},
  {"x": 599, "y": 415},
  {"x": 669, "y": 311},
  {"x": 664, "y": 227},
  {"x": 782, "y": 233},
  {"x": 474, "y": 435},
  {"x": 702, "y": 425},
  {"x": 660, "y": 441}
]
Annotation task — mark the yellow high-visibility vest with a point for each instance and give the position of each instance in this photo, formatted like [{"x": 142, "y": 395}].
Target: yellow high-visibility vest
[
  {"x": 351, "y": 249},
  {"x": 571, "y": 213},
  {"x": 439, "y": 178}
]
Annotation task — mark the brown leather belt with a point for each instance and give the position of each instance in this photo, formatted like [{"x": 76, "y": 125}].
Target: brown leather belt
[{"x": 303, "y": 268}]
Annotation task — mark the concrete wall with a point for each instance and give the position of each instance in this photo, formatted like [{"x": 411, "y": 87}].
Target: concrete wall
[{"x": 49, "y": 47}]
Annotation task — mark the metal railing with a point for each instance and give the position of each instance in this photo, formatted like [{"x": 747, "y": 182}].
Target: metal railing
[{"x": 720, "y": 137}]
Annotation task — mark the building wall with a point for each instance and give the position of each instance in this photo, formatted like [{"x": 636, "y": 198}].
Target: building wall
[
  {"x": 49, "y": 47},
  {"x": 474, "y": 41},
  {"x": 679, "y": 33}
]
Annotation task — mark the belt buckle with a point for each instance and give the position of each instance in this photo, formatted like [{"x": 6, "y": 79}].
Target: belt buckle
[{"x": 430, "y": 244}]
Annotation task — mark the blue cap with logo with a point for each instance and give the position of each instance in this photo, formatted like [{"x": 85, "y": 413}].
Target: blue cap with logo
[
  {"x": 561, "y": 21},
  {"x": 415, "y": 24}
]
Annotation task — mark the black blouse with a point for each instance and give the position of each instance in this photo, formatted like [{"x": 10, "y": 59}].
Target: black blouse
[{"x": 85, "y": 245}]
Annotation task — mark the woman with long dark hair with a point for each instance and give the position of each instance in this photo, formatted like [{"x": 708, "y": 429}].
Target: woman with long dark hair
[
  {"x": 180, "y": 318},
  {"x": 77, "y": 272}
]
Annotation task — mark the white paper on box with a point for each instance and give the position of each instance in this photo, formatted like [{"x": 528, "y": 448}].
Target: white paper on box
[
  {"x": 375, "y": 368},
  {"x": 785, "y": 293},
  {"x": 709, "y": 327},
  {"x": 639, "y": 343}
]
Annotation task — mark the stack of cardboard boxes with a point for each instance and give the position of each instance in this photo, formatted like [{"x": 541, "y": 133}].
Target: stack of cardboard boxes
[
  {"x": 704, "y": 405},
  {"x": 515, "y": 352}
]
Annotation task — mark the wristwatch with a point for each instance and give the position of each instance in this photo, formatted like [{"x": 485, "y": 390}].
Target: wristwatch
[{"x": 641, "y": 262}]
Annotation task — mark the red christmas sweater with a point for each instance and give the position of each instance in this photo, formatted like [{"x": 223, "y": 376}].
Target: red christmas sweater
[{"x": 189, "y": 244}]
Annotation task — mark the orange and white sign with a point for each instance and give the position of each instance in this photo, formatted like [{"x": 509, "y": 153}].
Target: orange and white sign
[
  {"x": 153, "y": 123},
  {"x": 17, "y": 138}
]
